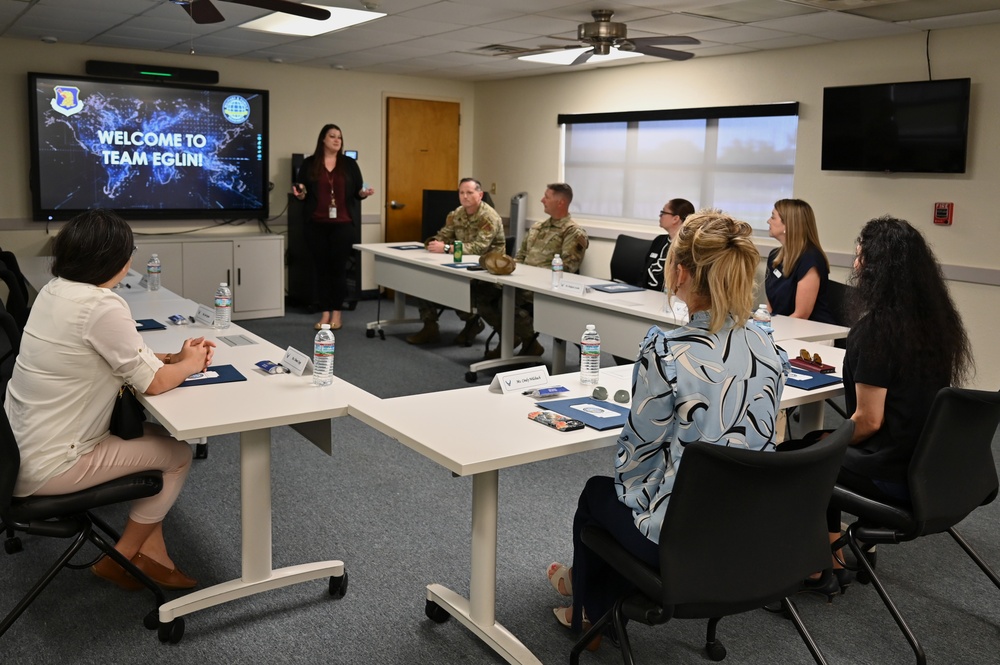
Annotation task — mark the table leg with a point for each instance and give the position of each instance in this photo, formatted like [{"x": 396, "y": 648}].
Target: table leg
[
  {"x": 558, "y": 355},
  {"x": 478, "y": 612},
  {"x": 398, "y": 314},
  {"x": 507, "y": 357},
  {"x": 257, "y": 575},
  {"x": 811, "y": 416}
]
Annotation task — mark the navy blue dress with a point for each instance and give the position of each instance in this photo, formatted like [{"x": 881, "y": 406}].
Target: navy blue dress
[{"x": 781, "y": 287}]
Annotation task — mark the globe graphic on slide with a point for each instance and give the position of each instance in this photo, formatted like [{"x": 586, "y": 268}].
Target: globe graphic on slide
[{"x": 236, "y": 109}]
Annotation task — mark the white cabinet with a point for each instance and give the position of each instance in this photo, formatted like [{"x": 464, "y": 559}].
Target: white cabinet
[{"x": 193, "y": 266}]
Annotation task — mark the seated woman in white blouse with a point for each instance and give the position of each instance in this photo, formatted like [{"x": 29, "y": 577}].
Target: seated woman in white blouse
[{"x": 79, "y": 346}]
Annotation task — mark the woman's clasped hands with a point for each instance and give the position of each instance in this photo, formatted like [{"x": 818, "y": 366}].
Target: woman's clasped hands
[{"x": 196, "y": 350}]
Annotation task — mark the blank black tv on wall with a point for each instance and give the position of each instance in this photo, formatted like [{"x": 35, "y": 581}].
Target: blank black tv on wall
[
  {"x": 913, "y": 127},
  {"x": 147, "y": 150}
]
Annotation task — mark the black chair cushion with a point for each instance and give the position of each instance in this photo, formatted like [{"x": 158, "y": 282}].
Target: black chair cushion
[{"x": 136, "y": 486}]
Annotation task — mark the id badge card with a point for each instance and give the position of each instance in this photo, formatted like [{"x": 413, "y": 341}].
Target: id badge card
[{"x": 333, "y": 212}]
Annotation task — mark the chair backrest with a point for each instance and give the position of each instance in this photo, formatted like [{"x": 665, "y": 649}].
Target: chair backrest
[
  {"x": 10, "y": 346},
  {"x": 17, "y": 292},
  {"x": 952, "y": 470},
  {"x": 837, "y": 297},
  {"x": 744, "y": 528},
  {"x": 10, "y": 464},
  {"x": 629, "y": 259}
]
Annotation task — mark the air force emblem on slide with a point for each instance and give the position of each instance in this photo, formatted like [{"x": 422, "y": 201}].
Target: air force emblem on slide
[{"x": 67, "y": 100}]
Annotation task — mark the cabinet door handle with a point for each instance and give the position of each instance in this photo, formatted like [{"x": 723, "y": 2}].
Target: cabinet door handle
[
  {"x": 239, "y": 276},
  {"x": 228, "y": 275}
]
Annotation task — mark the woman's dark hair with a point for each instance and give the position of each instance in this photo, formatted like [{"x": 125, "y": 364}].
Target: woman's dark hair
[
  {"x": 317, "y": 166},
  {"x": 681, "y": 207},
  {"x": 901, "y": 290},
  {"x": 92, "y": 248}
]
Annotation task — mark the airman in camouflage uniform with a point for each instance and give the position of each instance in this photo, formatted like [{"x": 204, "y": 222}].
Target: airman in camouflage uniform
[
  {"x": 480, "y": 231},
  {"x": 558, "y": 234}
]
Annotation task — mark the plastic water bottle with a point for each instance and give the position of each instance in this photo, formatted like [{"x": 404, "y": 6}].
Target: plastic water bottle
[
  {"x": 153, "y": 273},
  {"x": 223, "y": 306},
  {"x": 557, "y": 271},
  {"x": 762, "y": 317},
  {"x": 323, "y": 348},
  {"x": 590, "y": 356}
]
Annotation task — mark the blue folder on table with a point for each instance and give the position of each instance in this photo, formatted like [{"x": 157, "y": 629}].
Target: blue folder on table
[
  {"x": 411, "y": 246},
  {"x": 142, "y": 325},
  {"x": 595, "y": 413},
  {"x": 616, "y": 287},
  {"x": 226, "y": 374},
  {"x": 806, "y": 380}
]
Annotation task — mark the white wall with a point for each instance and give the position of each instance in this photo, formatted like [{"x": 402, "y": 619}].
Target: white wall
[{"x": 518, "y": 142}]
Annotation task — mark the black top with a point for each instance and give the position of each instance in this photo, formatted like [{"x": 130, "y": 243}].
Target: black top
[
  {"x": 886, "y": 454},
  {"x": 655, "y": 260},
  {"x": 352, "y": 185},
  {"x": 781, "y": 287}
]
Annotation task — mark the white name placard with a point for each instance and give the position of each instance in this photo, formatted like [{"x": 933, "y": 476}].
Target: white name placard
[
  {"x": 519, "y": 379},
  {"x": 205, "y": 314},
  {"x": 573, "y": 287},
  {"x": 144, "y": 283},
  {"x": 296, "y": 361}
]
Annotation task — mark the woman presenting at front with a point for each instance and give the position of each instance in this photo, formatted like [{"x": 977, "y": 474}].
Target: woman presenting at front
[
  {"x": 79, "y": 346},
  {"x": 331, "y": 185},
  {"x": 718, "y": 379},
  {"x": 798, "y": 271}
]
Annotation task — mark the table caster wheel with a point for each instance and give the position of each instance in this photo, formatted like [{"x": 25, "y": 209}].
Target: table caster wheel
[
  {"x": 381, "y": 334},
  {"x": 370, "y": 334},
  {"x": 338, "y": 586},
  {"x": 201, "y": 451},
  {"x": 435, "y": 612},
  {"x": 715, "y": 651},
  {"x": 171, "y": 632},
  {"x": 470, "y": 377},
  {"x": 152, "y": 620}
]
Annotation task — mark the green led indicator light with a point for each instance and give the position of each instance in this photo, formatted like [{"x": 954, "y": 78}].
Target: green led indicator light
[{"x": 156, "y": 74}]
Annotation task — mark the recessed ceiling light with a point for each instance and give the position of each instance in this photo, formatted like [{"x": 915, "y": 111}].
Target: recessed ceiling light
[
  {"x": 286, "y": 24},
  {"x": 566, "y": 57}
]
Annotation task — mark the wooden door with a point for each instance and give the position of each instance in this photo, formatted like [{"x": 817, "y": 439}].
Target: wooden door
[{"x": 421, "y": 153}]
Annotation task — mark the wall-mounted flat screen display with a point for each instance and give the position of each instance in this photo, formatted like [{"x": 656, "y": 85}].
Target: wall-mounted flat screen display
[
  {"x": 146, "y": 150},
  {"x": 915, "y": 127}
]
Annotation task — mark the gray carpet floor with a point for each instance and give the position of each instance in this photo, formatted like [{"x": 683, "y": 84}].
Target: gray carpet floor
[{"x": 399, "y": 522}]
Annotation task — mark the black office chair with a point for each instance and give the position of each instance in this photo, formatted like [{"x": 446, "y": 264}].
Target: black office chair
[
  {"x": 837, "y": 296},
  {"x": 10, "y": 345},
  {"x": 951, "y": 474},
  {"x": 17, "y": 289},
  {"x": 68, "y": 516},
  {"x": 629, "y": 260},
  {"x": 742, "y": 530}
]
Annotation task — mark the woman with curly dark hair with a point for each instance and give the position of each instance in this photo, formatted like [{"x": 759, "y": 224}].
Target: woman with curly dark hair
[{"x": 907, "y": 342}]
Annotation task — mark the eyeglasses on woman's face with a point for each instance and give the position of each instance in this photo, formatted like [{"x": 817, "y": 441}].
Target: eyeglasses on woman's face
[{"x": 667, "y": 213}]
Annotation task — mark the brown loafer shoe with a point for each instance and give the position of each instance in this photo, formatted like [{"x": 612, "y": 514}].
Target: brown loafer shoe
[
  {"x": 107, "y": 569},
  {"x": 166, "y": 578}
]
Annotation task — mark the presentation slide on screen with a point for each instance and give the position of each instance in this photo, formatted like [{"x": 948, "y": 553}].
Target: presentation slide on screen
[{"x": 131, "y": 146}]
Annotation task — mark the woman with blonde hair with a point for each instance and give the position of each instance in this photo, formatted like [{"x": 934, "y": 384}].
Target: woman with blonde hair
[
  {"x": 717, "y": 379},
  {"x": 797, "y": 271}
]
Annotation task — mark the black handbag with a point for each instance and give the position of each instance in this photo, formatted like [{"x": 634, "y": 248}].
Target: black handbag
[{"x": 128, "y": 415}]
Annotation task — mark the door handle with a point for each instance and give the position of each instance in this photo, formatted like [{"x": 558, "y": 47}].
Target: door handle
[{"x": 396, "y": 205}]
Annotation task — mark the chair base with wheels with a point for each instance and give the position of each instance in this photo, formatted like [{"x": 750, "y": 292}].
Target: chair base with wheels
[
  {"x": 952, "y": 473},
  {"x": 68, "y": 516}
]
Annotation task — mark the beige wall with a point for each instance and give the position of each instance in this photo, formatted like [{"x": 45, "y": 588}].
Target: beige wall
[{"x": 518, "y": 141}]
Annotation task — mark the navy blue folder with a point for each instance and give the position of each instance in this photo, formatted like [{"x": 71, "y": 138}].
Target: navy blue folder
[
  {"x": 142, "y": 325},
  {"x": 227, "y": 374},
  {"x": 565, "y": 407},
  {"x": 815, "y": 380}
]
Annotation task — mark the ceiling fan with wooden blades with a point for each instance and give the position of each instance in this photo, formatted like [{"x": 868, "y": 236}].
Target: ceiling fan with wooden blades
[
  {"x": 203, "y": 11},
  {"x": 602, "y": 35}
]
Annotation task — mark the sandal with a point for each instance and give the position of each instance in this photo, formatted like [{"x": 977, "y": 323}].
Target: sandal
[
  {"x": 560, "y": 573},
  {"x": 564, "y": 620}
]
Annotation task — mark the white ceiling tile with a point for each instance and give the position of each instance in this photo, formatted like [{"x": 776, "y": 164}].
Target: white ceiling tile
[
  {"x": 835, "y": 25},
  {"x": 453, "y": 12},
  {"x": 740, "y": 35},
  {"x": 535, "y": 24},
  {"x": 679, "y": 24},
  {"x": 414, "y": 26}
]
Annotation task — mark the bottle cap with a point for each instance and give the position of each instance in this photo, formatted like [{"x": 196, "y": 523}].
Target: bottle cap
[
  {"x": 223, "y": 284},
  {"x": 591, "y": 326},
  {"x": 154, "y": 255}
]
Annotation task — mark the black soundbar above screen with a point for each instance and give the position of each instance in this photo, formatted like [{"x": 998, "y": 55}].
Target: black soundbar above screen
[
  {"x": 146, "y": 150},
  {"x": 912, "y": 127}
]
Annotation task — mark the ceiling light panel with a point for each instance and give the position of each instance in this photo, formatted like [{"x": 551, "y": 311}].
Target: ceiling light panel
[{"x": 287, "y": 24}]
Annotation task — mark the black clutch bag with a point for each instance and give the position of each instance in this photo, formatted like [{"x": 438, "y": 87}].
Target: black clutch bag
[{"x": 128, "y": 415}]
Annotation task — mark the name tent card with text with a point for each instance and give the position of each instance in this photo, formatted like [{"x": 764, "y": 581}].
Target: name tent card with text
[
  {"x": 519, "y": 379},
  {"x": 205, "y": 314},
  {"x": 296, "y": 361}
]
